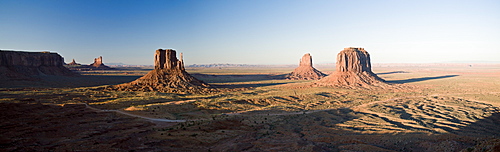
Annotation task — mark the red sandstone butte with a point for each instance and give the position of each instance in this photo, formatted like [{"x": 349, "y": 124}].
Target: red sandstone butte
[
  {"x": 353, "y": 69},
  {"x": 305, "y": 71},
  {"x": 168, "y": 76}
]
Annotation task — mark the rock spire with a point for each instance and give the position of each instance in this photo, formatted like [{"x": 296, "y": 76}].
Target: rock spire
[
  {"x": 305, "y": 71},
  {"x": 168, "y": 76},
  {"x": 73, "y": 62},
  {"x": 353, "y": 68}
]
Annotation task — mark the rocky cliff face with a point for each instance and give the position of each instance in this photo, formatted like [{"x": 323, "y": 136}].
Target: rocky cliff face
[
  {"x": 353, "y": 69},
  {"x": 167, "y": 59},
  {"x": 24, "y": 65},
  {"x": 306, "y": 60},
  {"x": 305, "y": 71},
  {"x": 168, "y": 76},
  {"x": 30, "y": 59},
  {"x": 353, "y": 60}
]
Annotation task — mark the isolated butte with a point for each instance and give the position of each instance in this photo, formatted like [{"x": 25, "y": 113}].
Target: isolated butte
[
  {"x": 305, "y": 71},
  {"x": 99, "y": 64},
  {"x": 168, "y": 76},
  {"x": 353, "y": 68}
]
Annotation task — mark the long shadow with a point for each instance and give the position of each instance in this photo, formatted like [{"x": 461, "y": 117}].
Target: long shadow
[
  {"x": 88, "y": 81},
  {"x": 421, "y": 79},
  {"x": 392, "y": 72},
  {"x": 320, "y": 130},
  {"x": 489, "y": 126},
  {"x": 75, "y": 81}
]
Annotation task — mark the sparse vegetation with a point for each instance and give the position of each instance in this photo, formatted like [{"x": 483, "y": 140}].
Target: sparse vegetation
[{"x": 455, "y": 111}]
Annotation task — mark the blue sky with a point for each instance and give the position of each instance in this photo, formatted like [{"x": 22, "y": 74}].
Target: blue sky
[{"x": 254, "y": 31}]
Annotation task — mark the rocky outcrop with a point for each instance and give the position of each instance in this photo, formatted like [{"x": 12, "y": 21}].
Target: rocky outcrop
[
  {"x": 353, "y": 69},
  {"x": 25, "y": 65},
  {"x": 167, "y": 59},
  {"x": 73, "y": 63},
  {"x": 97, "y": 65},
  {"x": 168, "y": 76},
  {"x": 305, "y": 71}
]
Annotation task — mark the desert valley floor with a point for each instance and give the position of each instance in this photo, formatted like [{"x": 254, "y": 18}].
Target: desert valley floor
[{"x": 438, "y": 107}]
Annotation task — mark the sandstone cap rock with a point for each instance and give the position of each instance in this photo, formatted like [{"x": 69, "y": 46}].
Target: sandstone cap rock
[
  {"x": 353, "y": 68},
  {"x": 305, "y": 71},
  {"x": 168, "y": 76}
]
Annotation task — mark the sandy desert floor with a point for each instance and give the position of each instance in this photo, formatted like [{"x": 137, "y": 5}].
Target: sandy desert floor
[{"x": 438, "y": 107}]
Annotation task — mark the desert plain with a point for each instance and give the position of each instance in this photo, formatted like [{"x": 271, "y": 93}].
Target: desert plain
[{"x": 428, "y": 107}]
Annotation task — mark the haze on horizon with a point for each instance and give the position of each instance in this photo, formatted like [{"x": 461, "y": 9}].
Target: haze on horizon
[{"x": 254, "y": 32}]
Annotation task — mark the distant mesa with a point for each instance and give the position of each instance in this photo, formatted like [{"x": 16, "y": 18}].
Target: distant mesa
[
  {"x": 168, "y": 76},
  {"x": 305, "y": 71},
  {"x": 20, "y": 65},
  {"x": 353, "y": 69},
  {"x": 97, "y": 65}
]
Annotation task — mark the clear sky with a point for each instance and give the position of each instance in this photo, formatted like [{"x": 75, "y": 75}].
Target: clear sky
[{"x": 254, "y": 31}]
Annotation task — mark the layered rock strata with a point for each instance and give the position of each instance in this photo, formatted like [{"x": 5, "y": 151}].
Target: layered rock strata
[
  {"x": 26, "y": 65},
  {"x": 305, "y": 71},
  {"x": 168, "y": 76},
  {"x": 353, "y": 69}
]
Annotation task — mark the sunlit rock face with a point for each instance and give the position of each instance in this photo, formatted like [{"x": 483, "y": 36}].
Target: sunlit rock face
[
  {"x": 353, "y": 68},
  {"x": 98, "y": 64},
  {"x": 168, "y": 76},
  {"x": 305, "y": 71}
]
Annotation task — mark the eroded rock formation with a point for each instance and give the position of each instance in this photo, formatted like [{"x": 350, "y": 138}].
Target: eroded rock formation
[
  {"x": 25, "y": 65},
  {"x": 74, "y": 63},
  {"x": 353, "y": 69},
  {"x": 305, "y": 71},
  {"x": 168, "y": 76},
  {"x": 98, "y": 63}
]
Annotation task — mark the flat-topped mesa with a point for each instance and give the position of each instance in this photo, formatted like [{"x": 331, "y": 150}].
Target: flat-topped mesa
[
  {"x": 21, "y": 65},
  {"x": 168, "y": 76},
  {"x": 353, "y": 69},
  {"x": 305, "y": 71}
]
